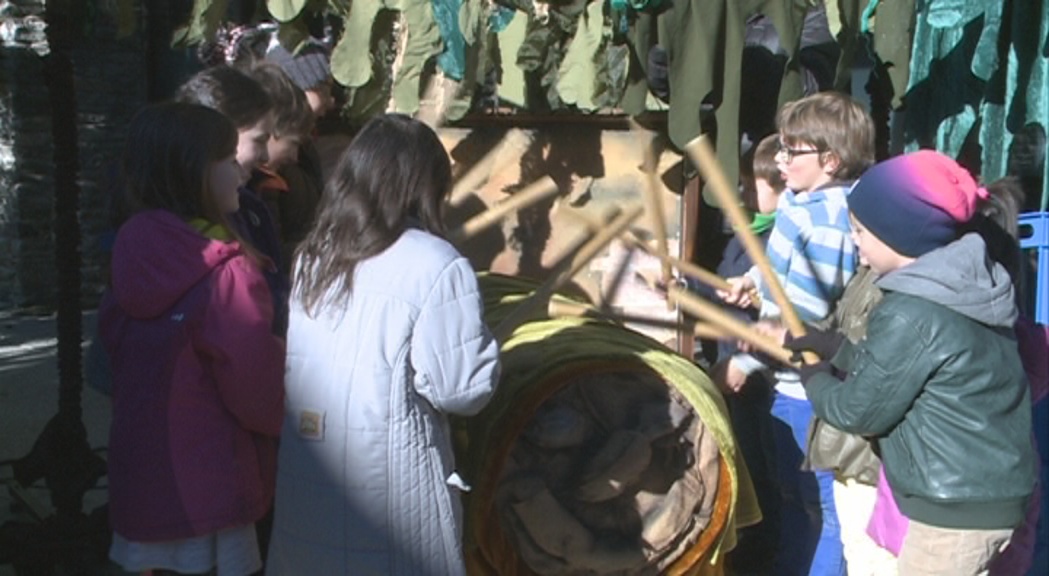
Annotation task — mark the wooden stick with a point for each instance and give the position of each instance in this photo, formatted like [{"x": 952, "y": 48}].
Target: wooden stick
[
  {"x": 703, "y": 275},
  {"x": 564, "y": 272},
  {"x": 491, "y": 163},
  {"x": 542, "y": 188},
  {"x": 710, "y": 331},
  {"x": 568, "y": 309},
  {"x": 702, "y": 155},
  {"x": 654, "y": 201},
  {"x": 714, "y": 314}
]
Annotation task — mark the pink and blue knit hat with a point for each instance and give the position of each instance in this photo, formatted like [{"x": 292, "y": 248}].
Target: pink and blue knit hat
[{"x": 916, "y": 202}]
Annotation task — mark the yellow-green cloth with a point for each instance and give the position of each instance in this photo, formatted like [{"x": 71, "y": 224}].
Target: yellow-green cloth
[
  {"x": 211, "y": 230},
  {"x": 540, "y": 349}
]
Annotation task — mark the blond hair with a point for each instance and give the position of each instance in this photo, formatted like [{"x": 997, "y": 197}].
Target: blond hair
[{"x": 831, "y": 122}]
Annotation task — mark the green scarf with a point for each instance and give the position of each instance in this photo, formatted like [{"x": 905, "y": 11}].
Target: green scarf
[{"x": 762, "y": 222}]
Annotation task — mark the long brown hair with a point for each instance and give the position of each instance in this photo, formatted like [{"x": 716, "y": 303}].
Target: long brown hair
[
  {"x": 168, "y": 156},
  {"x": 167, "y": 162},
  {"x": 394, "y": 174}
]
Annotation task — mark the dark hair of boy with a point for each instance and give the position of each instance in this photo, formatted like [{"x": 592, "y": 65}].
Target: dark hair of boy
[
  {"x": 292, "y": 115},
  {"x": 759, "y": 162},
  {"x": 230, "y": 91},
  {"x": 834, "y": 123},
  {"x": 765, "y": 162},
  {"x": 394, "y": 175}
]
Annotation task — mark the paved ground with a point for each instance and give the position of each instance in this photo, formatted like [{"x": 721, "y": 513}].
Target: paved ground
[{"x": 29, "y": 398}]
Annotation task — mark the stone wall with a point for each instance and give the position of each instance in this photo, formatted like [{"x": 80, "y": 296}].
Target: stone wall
[{"x": 110, "y": 84}]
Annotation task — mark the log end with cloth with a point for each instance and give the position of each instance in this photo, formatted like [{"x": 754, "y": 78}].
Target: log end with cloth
[{"x": 602, "y": 452}]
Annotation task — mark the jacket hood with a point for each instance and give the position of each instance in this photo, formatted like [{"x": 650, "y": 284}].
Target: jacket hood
[
  {"x": 962, "y": 277},
  {"x": 157, "y": 258}
]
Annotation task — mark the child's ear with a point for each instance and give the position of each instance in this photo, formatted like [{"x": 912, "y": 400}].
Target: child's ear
[{"x": 830, "y": 162}]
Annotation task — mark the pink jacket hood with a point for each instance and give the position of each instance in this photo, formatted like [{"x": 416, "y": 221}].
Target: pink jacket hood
[{"x": 149, "y": 276}]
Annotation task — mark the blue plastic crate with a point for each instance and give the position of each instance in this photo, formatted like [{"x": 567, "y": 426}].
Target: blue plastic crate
[{"x": 1034, "y": 235}]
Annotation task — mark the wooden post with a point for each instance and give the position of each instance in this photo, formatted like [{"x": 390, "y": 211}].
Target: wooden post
[{"x": 689, "y": 220}]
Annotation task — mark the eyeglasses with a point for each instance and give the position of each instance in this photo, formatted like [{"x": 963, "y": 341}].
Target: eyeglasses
[{"x": 790, "y": 153}]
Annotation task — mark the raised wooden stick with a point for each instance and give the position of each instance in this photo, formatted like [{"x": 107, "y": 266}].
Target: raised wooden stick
[
  {"x": 542, "y": 188},
  {"x": 565, "y": 271},
  {"x": 491, "y": 163},
  {"x": 702, "y": 155},
  {"x": 714, "y": 314}
]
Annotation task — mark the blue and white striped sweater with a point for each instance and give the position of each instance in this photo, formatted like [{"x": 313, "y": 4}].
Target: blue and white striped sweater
[{"x": 811, "y": 251}]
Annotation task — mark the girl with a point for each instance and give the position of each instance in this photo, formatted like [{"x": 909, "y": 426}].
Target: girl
[
  {"x": 386, "y": 338},
  {"x": 197, "y": 374}
]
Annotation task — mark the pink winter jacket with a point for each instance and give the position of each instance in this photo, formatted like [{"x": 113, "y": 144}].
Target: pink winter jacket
[
  {"x": 197, "y": 383},
  {"x": 887, "y": 526}
]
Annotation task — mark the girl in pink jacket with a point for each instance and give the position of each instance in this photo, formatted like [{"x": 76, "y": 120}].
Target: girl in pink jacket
[{"x": 197, "y": 373}]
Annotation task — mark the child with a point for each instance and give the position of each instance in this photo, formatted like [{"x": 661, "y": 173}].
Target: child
[
  {"x": 292, "y": 125},
  {"x": 386, "y": 338},
  {"x": 310, "y": 71},
  {"x": 997, "y": 224},
  {"x": 242, "y": 99},
  {"x": 749, "y": 404},
  {"x": 826, "y": 141},
  {"x": 197, "y": 374},
  {"x": 938, "y": 380}
]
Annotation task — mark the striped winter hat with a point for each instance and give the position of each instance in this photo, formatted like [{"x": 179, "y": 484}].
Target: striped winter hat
[
  {"x": 915, "y": 203},
  {"x": 308, "y": 68}
]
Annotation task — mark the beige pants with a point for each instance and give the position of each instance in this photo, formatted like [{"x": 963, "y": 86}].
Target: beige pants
[
  {"x": 931, "y": 551},
  {"x": 855, "y": 502}
]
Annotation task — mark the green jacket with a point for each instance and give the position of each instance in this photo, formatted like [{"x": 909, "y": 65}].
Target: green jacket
[{"x": 938, "y": 382}]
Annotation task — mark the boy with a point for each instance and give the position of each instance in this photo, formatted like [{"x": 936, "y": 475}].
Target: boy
[
  {"x": 243, "y": 100},
  {"x": 293, "y": 121},
  {"x": 938, "y": 381},
  {"x": 310, "y": 71},
  {"x": 748, "y": 405},
  {"x": 825, "y": 142}
]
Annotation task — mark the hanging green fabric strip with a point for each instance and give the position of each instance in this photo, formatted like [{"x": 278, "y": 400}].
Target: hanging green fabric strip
[
  {"x": 868, "y": 13},
  {"x": 453, "y": 59},
  {"x": 500, "y": 18}
]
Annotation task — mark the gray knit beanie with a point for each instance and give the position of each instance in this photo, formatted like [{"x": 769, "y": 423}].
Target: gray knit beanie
[{"x": 307, "y": 69}]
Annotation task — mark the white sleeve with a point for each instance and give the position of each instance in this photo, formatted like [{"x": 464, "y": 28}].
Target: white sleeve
[{"x": 455, "y": 356}]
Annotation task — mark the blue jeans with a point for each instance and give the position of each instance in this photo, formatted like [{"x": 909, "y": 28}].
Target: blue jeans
[
  {"x": 810, "y": 536},
  {"x": 752, "y": 423}
]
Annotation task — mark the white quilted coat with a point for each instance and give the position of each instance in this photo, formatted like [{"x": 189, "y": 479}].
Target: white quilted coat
[{"x": 365, "y": 454}]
